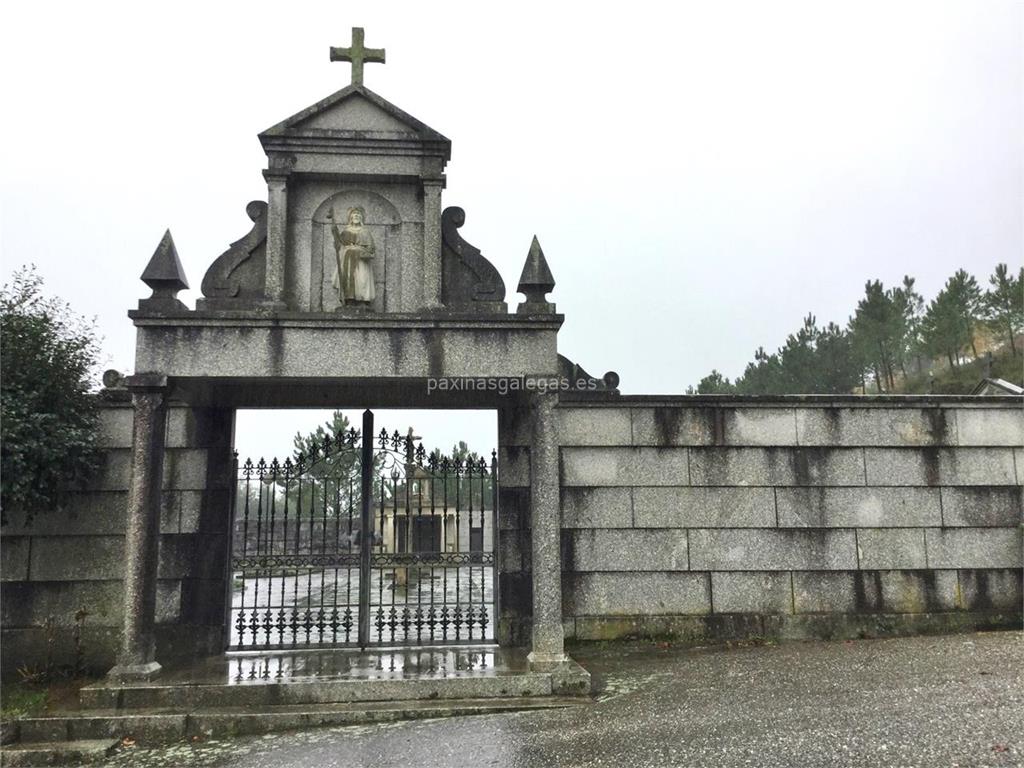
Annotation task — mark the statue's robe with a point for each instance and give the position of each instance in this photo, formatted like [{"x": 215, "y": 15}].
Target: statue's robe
[{"x": 353, "y": 278}]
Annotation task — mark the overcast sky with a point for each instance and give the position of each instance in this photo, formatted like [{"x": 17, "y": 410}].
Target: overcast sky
[{"x": 700, "y": 176}]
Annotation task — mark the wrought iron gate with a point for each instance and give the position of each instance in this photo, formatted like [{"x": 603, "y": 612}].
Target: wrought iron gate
[{"x": 304, "y": 575}]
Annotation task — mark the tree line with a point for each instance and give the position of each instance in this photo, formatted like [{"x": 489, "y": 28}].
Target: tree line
[{"x": 892, "y": 335}]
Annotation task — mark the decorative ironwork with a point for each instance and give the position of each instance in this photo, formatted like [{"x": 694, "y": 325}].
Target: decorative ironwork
[{"x": 304, "y": 575}]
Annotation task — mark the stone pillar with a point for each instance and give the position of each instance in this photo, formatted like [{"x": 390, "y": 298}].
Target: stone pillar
[
  {"x": 277, "y": 236},
  {"x": 432, "y": 242},
  {"x": 548, "y": 642},
  {"x": 137, "y": 660}
]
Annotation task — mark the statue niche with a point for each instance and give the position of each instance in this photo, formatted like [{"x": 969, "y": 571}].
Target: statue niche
[
  {"x": 235, "y": 279},
  {"x": 356, "y": 235}
]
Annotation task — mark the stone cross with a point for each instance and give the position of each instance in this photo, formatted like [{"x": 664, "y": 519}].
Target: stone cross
[{"x": 358, "y": 55}]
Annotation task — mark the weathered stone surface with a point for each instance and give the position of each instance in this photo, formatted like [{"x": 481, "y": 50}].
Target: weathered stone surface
[
  {"x": 115, "y": 427},
  {"x": 77, "y": 558},
  {"x": 873, "y": 426},
  {"x": 181, "y": 428},
  {"x": 896, "y": 591},
  {"x": 858, "y": 507},
  {"x": 990, "y": 426},
  {"x": 514, "y": 427},
  {"x": 199, "y": 556},
  {"x": 624, "y": 466},
  {"x": 510, "y": 550},
  {"x": 885, "y": 548},
  {"x": 721, "y": 425},
  {"x": 751, "y": 592},
  {"x": 670, "y": 426},
  {"x": 185, "y": 469},
  {"x": 594, "y": 426},
  {"x": 88, "y": 513},
  {"x": 939, "y": 466},
  {"x": 236, "y": 278},
  {"x": 34, "y": 646},
  {"x": 30, "y": 604},
  {"x": 198, "y": 427},
  {"x": 114, "y": 472},
  {"x": 992, "y": 590},
  {"x": 181, "y": 511},
  {"x": 776, "y": 466},
  {"x": 981, "y": 507},
  {"x": 923, "y": 591},
  {"x": 759, "y": 426},
  {"x": 547, "y": 634},
  {"x": 14, "y": 557},
  {"x": 535, "y": 282},
  {"x": 469, "y": 282},
  {"x": 828, "y": 592},
  {"x": 514, "y": 466},
  {"x": 974, "y": 547},
  {"x": 704, "y": 507},
  {"x": 628, "y": 550},
  {"x": 597, "y": 507},
  {"x": 499, "y": 347},
  {"x": 513, "y": 508},
  {"x": 772, "y": 550},
  {"x": 626, "y": 594}
]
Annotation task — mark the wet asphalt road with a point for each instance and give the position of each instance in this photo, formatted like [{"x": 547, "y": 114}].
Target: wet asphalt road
[{"x": 934, "y": 701}]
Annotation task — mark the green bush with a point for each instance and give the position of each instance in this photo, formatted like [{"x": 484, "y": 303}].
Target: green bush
[{"x": 48, "y": 418}]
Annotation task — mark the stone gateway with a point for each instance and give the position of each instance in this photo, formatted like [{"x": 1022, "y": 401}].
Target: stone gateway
[{"x": 697, "y": 517}]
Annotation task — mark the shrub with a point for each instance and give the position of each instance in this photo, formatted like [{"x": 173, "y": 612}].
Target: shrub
[{"x": 48, "y": 418}]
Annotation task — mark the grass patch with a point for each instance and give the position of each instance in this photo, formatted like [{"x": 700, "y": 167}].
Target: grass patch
[{"x": 22, "y": 700}]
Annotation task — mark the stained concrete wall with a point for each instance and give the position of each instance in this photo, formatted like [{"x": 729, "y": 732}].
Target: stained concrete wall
[
  {"x": 790, "y": 517},
  {"x": 73, "y": 559}
]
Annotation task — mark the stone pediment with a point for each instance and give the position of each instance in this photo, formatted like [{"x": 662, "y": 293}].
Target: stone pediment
[{"x": 354, "y": 111}]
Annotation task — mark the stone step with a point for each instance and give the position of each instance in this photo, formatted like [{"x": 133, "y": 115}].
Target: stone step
[
  {"x": 158, "y": 725},
  {"x": 57, "y": 752},
  {"x": 168, "y": 726},
  {"x": 156, "y": 695}
]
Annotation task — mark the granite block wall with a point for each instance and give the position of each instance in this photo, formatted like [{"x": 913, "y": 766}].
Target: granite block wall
[
  {"x": 791, "y": 517},
  {"x": 71, "y": 560},
  {"x": 693, "y": 518}
]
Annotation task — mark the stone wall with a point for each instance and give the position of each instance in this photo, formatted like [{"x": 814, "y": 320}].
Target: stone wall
[
  {"x": 515, "y": 587},
  {"x": 791, "y": 517},
  {"x": 696, "y": 518},
  {"x": 70, "y": 560}
]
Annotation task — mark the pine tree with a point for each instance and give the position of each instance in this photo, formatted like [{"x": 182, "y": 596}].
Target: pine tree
[
  {"x": 1003, "y": 304},
  {"x": 715, "y": 384},
  {"x": 877, "y": 330},
  {"x": 943, "y": 328},
  {"x": 966, "y": 302},
  {"x": 909, "y": 305}
]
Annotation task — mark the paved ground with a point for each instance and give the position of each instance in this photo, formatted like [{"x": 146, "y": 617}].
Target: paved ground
[{"x": 936, "y": 701}]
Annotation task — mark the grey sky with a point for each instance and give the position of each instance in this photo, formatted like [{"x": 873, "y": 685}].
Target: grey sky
[{"x": 700, "y": 176}]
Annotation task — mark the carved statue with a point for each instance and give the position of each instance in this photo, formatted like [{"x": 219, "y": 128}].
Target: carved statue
[{"x": 354, "y": 249}]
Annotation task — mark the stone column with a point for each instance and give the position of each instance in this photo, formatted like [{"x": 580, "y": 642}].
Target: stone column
[
  {"x": 548, "y": 646},
  {"x": 137, "y": 660},
  {"x": 277, "y": 236},
  {"x": 432, "y": 241}
]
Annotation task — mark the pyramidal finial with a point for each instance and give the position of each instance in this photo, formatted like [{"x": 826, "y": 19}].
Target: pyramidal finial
[
  {"x": 536, "y": 281},
  {"x": 165, "y": 275}
]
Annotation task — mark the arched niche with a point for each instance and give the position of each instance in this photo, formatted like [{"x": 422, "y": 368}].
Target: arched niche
[{"x": 384, "y": 223}]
